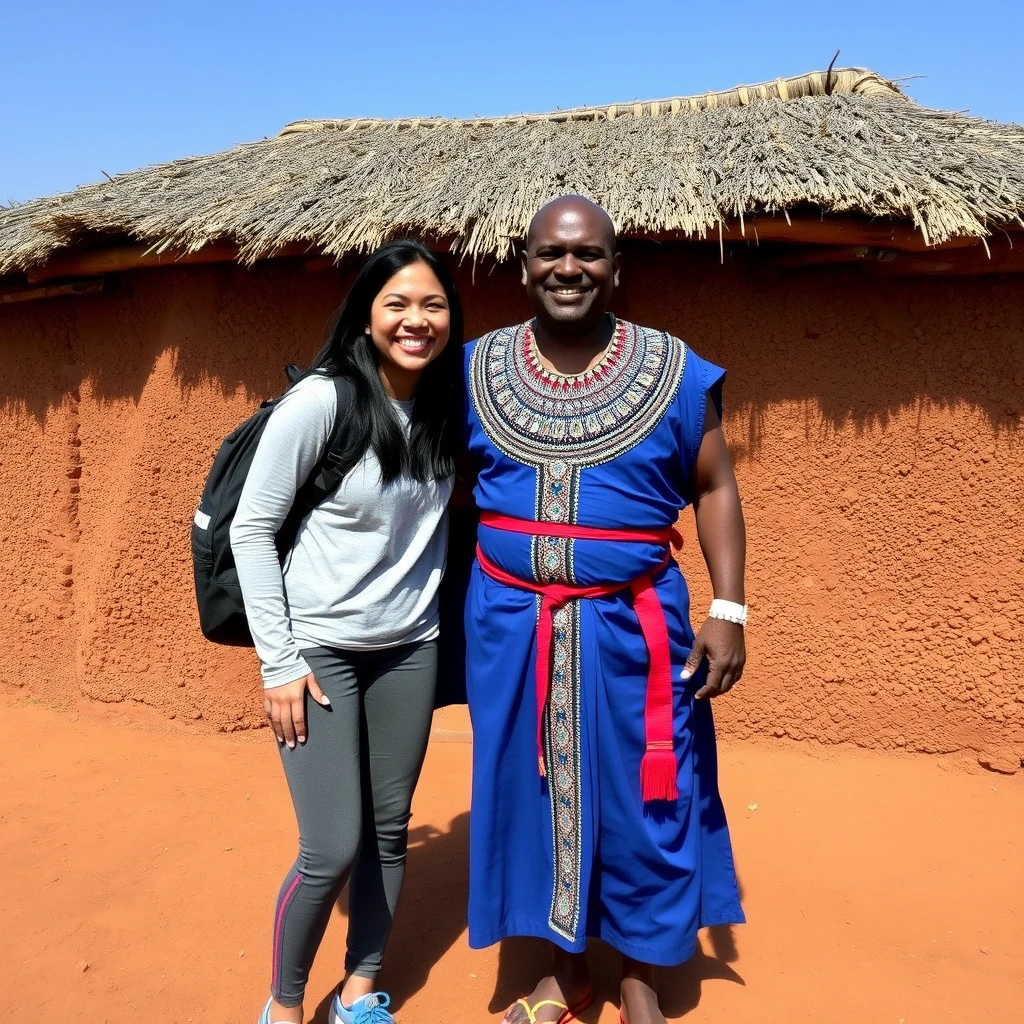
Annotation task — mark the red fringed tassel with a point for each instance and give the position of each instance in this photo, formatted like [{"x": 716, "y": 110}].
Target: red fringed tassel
[{"x": 658, "y": 776}]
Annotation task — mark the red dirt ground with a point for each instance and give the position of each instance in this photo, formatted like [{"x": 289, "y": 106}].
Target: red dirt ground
[{"x": 139, "y": 863}]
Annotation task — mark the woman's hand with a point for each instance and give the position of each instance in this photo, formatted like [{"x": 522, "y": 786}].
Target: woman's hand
[
  {"x": 286, "y": 708},
  {"x": 722, "y": 644}
]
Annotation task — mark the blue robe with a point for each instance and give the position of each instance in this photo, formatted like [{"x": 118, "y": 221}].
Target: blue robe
[{"x": 577, "y": 853}]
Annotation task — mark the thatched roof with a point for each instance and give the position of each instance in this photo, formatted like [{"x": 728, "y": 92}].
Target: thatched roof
[{"x": 843, "y": 142}]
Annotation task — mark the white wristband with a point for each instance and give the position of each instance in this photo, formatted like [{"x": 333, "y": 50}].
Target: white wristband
[{"x": 729, "y": 611}]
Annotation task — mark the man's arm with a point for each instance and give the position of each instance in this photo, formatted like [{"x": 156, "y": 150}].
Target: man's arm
[{"x": 723, "y": 542}]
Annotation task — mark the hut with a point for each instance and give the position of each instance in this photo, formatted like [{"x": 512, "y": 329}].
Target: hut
[{"x": 853, "y": 258}]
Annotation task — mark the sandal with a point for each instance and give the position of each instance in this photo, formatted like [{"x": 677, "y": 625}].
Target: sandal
[{"x": 568, "y": 1012}]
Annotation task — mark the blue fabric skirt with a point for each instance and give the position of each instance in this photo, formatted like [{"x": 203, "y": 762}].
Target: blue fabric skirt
[{"x": 577, "y": 854}]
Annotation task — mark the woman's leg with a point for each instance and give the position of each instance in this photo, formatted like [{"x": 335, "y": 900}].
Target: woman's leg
[
  {"x": 398, "y": 701},
  {"x": 324, "y": 780}
]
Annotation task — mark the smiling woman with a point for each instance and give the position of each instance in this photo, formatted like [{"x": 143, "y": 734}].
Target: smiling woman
[
  {"x": 409, "y": 323},
  {"x": 390, "y": 338},
  {"x": 346, "y": 628}
]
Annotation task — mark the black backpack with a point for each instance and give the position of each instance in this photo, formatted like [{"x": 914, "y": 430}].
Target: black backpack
[{"x": 218, "y": 594}]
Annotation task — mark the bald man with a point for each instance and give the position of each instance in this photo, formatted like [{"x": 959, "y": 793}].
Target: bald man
[{"x": 595, "y": 800}]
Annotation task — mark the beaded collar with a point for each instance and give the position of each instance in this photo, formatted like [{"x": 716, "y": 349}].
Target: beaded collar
[
  {"x": 536, "y": 416},
  {"x": 610, "y": 358}
]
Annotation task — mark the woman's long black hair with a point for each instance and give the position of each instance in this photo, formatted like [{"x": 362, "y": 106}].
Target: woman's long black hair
[{"x": 429, "y": 453}]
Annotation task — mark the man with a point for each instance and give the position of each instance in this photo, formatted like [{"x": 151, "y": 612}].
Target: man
[{"x": 595, "y": 804}]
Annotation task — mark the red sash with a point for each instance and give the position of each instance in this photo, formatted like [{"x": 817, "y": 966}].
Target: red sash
[{"x": 658, "y": 768}]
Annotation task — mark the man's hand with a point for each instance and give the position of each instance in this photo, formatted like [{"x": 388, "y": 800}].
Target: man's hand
[
  {"x": 286, "y": 708},
  {"x": 722, "y": 644}
]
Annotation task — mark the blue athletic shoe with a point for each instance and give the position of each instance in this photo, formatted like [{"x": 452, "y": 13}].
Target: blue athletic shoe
[{"x": 371, "y": 1009}]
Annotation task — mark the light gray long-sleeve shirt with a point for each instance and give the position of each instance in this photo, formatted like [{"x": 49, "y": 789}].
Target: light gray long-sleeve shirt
[{"x": 367, "y": 561}]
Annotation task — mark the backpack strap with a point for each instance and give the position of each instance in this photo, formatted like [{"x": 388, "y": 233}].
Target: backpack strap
[{"x": 338, "y": 458}]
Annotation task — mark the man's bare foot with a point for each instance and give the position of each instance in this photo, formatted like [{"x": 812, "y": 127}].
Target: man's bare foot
[
  {"x": 639, "y": 995},
  {"x": 569, "y": 986}
]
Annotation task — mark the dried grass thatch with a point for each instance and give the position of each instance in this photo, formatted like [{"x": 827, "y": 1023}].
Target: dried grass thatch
[{"x": 843, "y": 142}]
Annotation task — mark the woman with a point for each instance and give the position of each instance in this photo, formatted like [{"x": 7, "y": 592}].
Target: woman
[{"x": 346, "y": 629}]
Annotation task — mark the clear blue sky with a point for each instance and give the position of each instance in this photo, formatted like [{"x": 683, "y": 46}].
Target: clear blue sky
[{"x": 101, "y": 87}]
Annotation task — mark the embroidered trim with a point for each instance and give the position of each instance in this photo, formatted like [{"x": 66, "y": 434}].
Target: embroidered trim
[
  {"x": 537, "y": 417},
  {"x": 558, "y": 492},
  {"x": 564, "y": 772},
  {"x": 552, "y": 560}
]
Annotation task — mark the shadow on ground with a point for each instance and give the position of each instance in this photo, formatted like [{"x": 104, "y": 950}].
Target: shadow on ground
[{"x": 431, "y": 915}]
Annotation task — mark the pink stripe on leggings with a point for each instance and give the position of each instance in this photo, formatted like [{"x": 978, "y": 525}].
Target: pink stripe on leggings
[{"x": 282, "y": 909}]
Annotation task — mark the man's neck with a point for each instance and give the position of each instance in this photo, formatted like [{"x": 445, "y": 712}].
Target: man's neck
[{"x": 571, "y": 353}]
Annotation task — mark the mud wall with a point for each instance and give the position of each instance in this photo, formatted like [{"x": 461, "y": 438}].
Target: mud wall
[{"x": 876, "y": 428}]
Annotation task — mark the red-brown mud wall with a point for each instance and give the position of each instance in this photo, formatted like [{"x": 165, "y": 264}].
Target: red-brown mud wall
[{"x": 876, "y": 427}]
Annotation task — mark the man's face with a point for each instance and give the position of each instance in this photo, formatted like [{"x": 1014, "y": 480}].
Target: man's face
[{"x": 570, "y": 267}]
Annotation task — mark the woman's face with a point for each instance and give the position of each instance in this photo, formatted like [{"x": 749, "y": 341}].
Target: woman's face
[{"x": 409, "y": 325}]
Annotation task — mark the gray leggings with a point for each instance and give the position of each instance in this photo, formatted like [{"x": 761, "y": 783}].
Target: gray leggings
[{"x": 351, "y": 783}]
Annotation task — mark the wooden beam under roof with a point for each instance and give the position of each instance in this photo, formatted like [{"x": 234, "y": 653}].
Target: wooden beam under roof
[
  {"x": 68, "y": 289},
  {"x": 119, "y": 258},
  {"x": 814, "y": 230},
  {"x": 999, "y": 255},
  {"x": 845, "y": 233}
]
